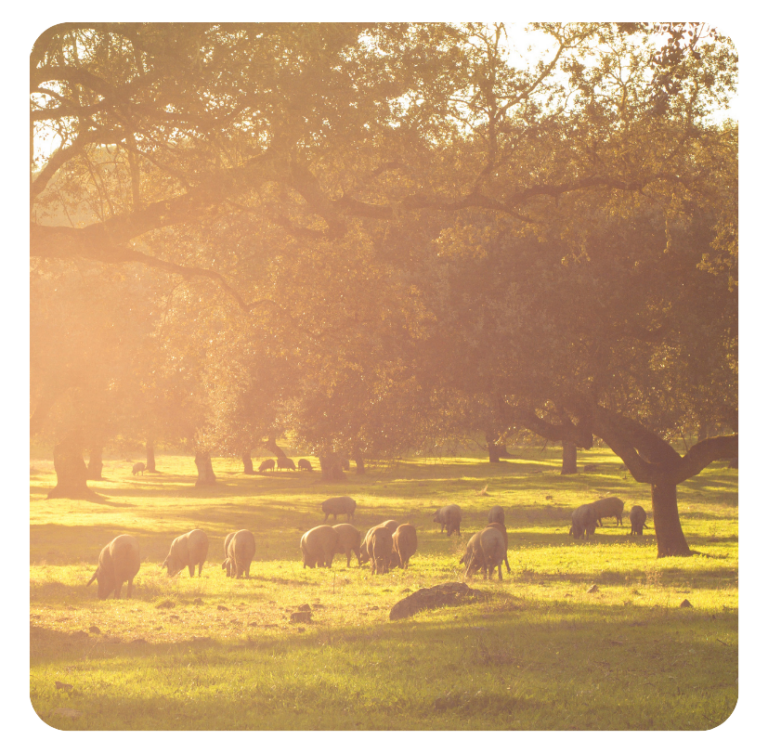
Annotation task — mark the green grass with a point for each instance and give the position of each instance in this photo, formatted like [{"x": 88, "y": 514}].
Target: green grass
[{"x": 538, "y": 652}]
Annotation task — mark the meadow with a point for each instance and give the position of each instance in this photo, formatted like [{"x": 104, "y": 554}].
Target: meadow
[{"x": 541, "y": 650}]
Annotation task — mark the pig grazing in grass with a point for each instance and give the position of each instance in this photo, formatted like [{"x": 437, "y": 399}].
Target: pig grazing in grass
[
  {"x": 187, "y": 550},
  {"x": 391, "y": 524},
  {"x": 348, "y": 541},
  {"x": 286, "y": 463},
  {"x": 486, "y": 551},
  {"x": 118, "y": 562},
  {"x": 500, "y": 527},
  {"x": 240, "y": 548},
  {"x": 364, "y": 556},
  {"x": 267, "y": 465},
  {"x": 339, "y": 506},
  {"x": 496, "y": 515},
  {"x": 637, "y": 518},
  {"x": 380, "y": 549},
  {"x": 305, "y": 465},
  {"x": 318, "y": 546},
  {"x": 610, "y": 507},
  {"x": 449, "y": 518},
  {"x": 583, "y": 522},
  {"x": 404, "y": 542},
  {"x": 138, "y": 468}
]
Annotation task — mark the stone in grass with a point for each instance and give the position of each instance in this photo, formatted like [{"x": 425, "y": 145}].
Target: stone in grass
[
  {"x": 222, "y": 608},
  {"x": 686, "y": 603},
  {"x": 94, "y": 629},
  {"x": 593, "y": 590},
  {"x": 165, "y": 604},
  {"x": 301, "y": 617}
]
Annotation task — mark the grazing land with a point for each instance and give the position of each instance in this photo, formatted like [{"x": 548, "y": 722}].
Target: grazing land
[{"x": 542, "y": 650}]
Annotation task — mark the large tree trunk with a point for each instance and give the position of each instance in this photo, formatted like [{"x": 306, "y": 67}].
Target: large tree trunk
[
  {"x": 357, "y": 456},
  {"x": 271, "y": 445},
  {"x": 94, "y": 463},
  {"x": 151, "y": 456},
  {"x": 205, "y": 474},
  {"x": 71, "y": 473},
  {"x": 330, "y": 467},
  {"x": 569, "y": 459},
  {"x": 494, "y": 450},
  {"x": 247, "y": 463},
  {"x": 670, "y": 539}
]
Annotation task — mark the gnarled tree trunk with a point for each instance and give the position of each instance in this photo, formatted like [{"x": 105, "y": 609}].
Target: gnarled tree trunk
[
  {"x": 247, "y": 463},
  {"x": 95, "y": 464},
  {"x": 357, "y": 456},
  {"x": 569, "y": 459},
  {"x": 271, "y": 445},
  {"x": 330, "y": 467},
  {"x": 205, "y": 474},
  {"x": 151, "y": 456},
  {"x": 71, "y": 473},
  {"x": 494, "y": 450},
  {"x": 670, "y": 539}
]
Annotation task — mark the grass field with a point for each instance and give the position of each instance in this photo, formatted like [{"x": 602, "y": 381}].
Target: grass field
[{"x": 538, "y": 652}]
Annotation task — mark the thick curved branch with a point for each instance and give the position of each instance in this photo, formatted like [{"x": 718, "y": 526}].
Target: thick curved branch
[
  {"x": 580, "y": 434},
  {"x": 705, "y": 452},
  {"x": 509, "y": 206},
  {"x": 649, "y": 458},
  {"x": 64, "y": 154}
]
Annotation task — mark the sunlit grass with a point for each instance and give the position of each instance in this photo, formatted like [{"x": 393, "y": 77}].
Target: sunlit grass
[{"x": 540, "y": 652}]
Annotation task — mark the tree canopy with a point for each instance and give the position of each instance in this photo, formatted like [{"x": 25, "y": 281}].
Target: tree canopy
[{"x": 370, "y": 234}]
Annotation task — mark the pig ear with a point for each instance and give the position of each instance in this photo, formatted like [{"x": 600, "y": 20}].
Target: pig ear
[{"x": 93, "y": 577}]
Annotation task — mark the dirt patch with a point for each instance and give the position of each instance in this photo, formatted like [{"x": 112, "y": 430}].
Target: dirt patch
[{"x": 430, "y": 598}]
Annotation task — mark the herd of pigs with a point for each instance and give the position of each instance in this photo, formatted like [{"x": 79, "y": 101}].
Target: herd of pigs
[{"x": 385, "y": 545}]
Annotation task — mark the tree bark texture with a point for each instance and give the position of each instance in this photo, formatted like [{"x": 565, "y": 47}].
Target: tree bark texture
[
  {"x": 670, "y": 539},
  {"x": 247, "y": 463},
  {"x": 330, "y": 467},
  {"x": 71, "y": 473},
  {"x": 95, "y": 464},
  {"x": 151, "y": 456},
  {"x": 494, "y": 450},
  {"x": 569, "y": 459},
  {"x": 205, "y": 474},
  {"x": 271, "y": 445},
  {"x": 357, "y": 456}
]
